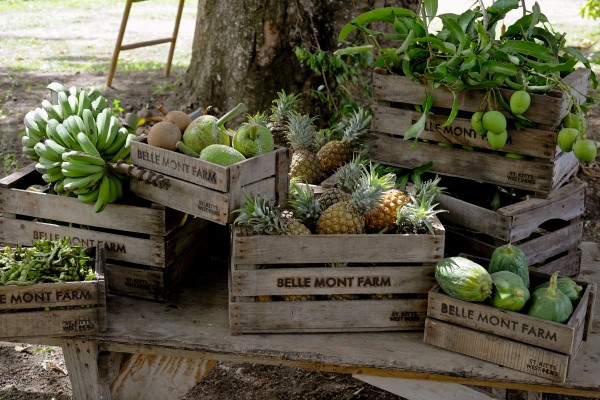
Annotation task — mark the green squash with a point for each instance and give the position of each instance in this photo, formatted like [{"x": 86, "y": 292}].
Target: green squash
[
  {"x": 509, "y": 291},
  {"x": 550, "y": 303},
  {"x": 463, "y": 279},
  {"x": 510, "y": 258},
  {"x": 566, "y": 285}
]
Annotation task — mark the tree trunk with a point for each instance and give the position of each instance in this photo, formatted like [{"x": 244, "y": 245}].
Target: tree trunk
[{"x": 243, "y": 50}]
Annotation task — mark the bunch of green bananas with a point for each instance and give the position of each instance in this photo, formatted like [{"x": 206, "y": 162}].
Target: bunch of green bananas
[
  {"x": 70, "y": 101},
  {"x": 76, "y": 154}
]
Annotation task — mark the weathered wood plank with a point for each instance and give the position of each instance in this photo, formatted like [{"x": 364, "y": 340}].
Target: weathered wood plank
[{"x": 81, "y": 359}]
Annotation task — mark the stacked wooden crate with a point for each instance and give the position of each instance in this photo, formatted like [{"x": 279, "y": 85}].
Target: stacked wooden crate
[
  {"x": 545, "y": 218},
  {"x": 331, "y": 283},
  {"x": 147, "y": 249},
  {"x": 206, "y": 190},
  {"x": 511, "y": 339},
  {"x": 55, "y": 309}
]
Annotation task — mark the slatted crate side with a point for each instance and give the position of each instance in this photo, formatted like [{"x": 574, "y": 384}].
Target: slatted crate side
[
  {"x": 362, "y": 248},
  {"x": 548, "y": 109},
  {"x": 529, "y": 142},
  {"x": 16, "y": 200},
  {"x": 508, "y": 353},
  {"x": 516, "y": 221},
  {"x": 327, "y": 316},
  {"x": 203, "y": 173},
  {"x": 532, "y": 175},
  {"x": 375, "y": 279},
  {"x": 158, "y": 284},
  {"x": 18, "y": 305},
  {"x": 563, "y": 338},
  {"x": 555, "y": 250}
]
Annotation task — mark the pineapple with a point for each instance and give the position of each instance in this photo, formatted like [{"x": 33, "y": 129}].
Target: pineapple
[
  {"x": 265, "y": 218},
  {"x": 301, "y": 135},
  {"x": 345, "y": 179},
  {"x": 280, "y": 111},
  {"x": 384, "y": 216},
  {"x": 259, "y": 119},
  {"x": 336, "y": 153},
  {"x": 349, "y": 216},
  {"x": 415, "y": 217},
  {"x": 306, "y": 207}
]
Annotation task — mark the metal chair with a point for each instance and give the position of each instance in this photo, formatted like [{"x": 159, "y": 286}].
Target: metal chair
[{"x": 120, "y": 46}]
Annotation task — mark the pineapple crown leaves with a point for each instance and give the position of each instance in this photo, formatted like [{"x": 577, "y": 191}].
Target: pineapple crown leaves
[
  {"x": 261, "y": 214},
  {"x": 284, "y": 105},
  {"x": 260, "y": 118},
  {"x": 369, "y": 189},
  {"x": 346, "y": 177},
  {"x": 356, "y": 126},
  {"x": 301, "y": 132},
  {"x": 304, "y": 203},
  {"x": 415, "y": 217}
]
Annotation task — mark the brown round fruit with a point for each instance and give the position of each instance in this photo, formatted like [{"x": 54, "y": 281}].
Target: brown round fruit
[
  {"x": 179, "y": 118},
  {"x": 165, "y": 135}
]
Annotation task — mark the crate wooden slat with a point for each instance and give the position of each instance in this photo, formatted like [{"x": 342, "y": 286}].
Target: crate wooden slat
[
  {"x": 144, "y": 233},
  {"x": 378, "y": 266},
  {"x": 207, "y": 190},
  {"x": 546, "y": 169},
  {"x": 22, "y": 314},
  {"x": 515, "y": 340}
]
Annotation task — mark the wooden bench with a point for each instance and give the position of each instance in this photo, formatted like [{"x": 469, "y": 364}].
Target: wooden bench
[{"x": 153, "y": 351}]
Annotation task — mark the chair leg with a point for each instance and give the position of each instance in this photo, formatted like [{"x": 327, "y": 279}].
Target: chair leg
[
  {"x": 115, "y": 56},
  {"x": 174, "y": 38}
]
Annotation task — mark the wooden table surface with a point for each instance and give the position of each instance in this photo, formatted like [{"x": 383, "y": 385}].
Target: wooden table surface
[{"x": 195, "y": 324}]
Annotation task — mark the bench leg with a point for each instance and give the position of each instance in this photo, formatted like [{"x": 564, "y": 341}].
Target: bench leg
[
  {"x": 81, "y": 360},
  {"x": 174, "y": 38}
]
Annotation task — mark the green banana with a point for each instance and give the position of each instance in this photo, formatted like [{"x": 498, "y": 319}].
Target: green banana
[
  {"x": 56, "y": 87},
  {"x": 66, "y": 138},
  {"x": 28, "y": 141},
  {"x": 73, "y": 170},
  {"x": 102, "y": 124},
  {"x": 113, "y": 130},
  {"x": 55, "y": 146},
  {"x": 59, "y": 186},
  {"x": 84, "y": 190},
  {"x": 72, "y": 183},
  {"x": 117, "y": 143},
  {"x": 46, "y": 163},
  {"x": 103, "y": 195},
  {"x": 52, "y": 110},
  {"x": 65, "y": 107},
  {"x": 49, "y": 178},
  {"x": 81, "y": 127},
  {"x": 125, "y": 150},
  {"x": 84, "y": 103},
  {"x": 73, "y": 103},
  {"x": 87, "y": 145},
  {"x": 81, "y": 157},
  {"x": 90, "y": 197},
  {"x": 52, "y": 133},
  {"x": 45, "y": 151},
  {"x": 90, "y": 124},
  {"x": 99, "y": 104},
  {"x": 40, "y": 116},
  {"x": 32, "y": 135},
  {"x": 43, "y": 169},
  {"x": 93, "y": 93},
  {"x": 74, "y": 91},
  {"x": 29, "y": 152},
  {"x": 71, "y": 126},
  {"x": 30, "y": 123}
]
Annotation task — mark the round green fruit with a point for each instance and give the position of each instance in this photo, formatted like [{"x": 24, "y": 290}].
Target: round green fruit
[
  {"x": 202, "y": 132},
  {"x": 494, "y": 121},
  {"x": 572, "y": 121},
  {"x": 519, "y": 102},
  {"x": 585, "y": 150},
  {"x": 477, "y": 123},
  {"x": 497, "y": 140},
  {"x": 566, "y": 137},
  {"x": 221, "y": 154},
  {"x": 253, "y": 140}
]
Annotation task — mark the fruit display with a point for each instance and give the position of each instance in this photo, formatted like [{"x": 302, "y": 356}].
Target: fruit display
[
  {"x": 471, "y": 52},
  {"x": 80, "y": 142}
]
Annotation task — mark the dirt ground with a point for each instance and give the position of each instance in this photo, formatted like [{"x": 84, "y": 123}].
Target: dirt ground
[{"x": 30, "y": 372}]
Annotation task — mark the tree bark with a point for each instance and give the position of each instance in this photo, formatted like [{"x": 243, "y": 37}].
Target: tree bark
[{"x": 243, "y": 50}]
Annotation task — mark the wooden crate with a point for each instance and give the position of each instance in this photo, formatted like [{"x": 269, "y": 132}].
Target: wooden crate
[
  {"x": 37, "y": 310},
  {"x": 136, "y": 231},
  {"x": 515, "y": 340},
  {"x": 207, "y": 190},
  {"x": 387, "y": 277},
  {"x": 546, "y": 168},
  {"x": 160, "y": 284},
  {"x": 549, "y": 231}
]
